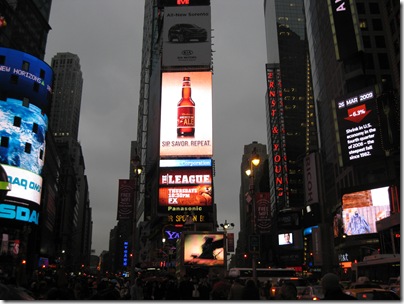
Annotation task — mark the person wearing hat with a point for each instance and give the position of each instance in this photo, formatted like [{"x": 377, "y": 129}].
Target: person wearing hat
[{"x": 332, "y": 289}]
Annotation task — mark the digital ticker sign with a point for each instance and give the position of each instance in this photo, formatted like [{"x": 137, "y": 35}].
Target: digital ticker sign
[{"x": 358, "y": 126}]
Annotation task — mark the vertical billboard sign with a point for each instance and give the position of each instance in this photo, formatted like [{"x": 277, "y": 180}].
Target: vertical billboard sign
[
  {"x": 310, "y": 179},
  {"x": 198, "y": 144},
  {"x": 263, "y": 212},
  {"x": 359, "y": 131},
  {"x": 126, "y": 196},
  {"x": 344, "y": 30},
  {"x": 185, "y": 188},
  {"x": 277, "y": 131},
  {"x": 186, "y": 36}
]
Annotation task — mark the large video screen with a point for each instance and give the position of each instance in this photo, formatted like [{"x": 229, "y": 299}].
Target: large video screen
[
  {"x": 172, "y": 143},
  {"x": 359, "y": 127},
  {"x": 25, "y": 76},
  {"x": 204, "y": 249},
  {"x": 285, "y": 238},
  {"x": 182, "y": 187},
  {"x": 361, "y": 210}
]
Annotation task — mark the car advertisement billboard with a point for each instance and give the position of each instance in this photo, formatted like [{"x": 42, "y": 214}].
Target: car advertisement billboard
[
  {"x": 361, "y": 210},
  {"x": 359, "y": 130},
  {"x": 204, "y": 249},
  {"x": 186, "y": 37},
  {"x": 25, "y": 76},
  {"x": 181, "y": 188},
  {"x": 195, "y": 117}
]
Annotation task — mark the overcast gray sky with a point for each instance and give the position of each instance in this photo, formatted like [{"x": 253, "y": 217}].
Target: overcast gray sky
[{"x": 107, "y": 36}]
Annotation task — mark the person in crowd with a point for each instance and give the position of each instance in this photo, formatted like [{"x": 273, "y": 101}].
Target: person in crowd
[
  {"x": 136, "y": 290},
  {"x": 332, "y": 289},
  {"x": 288, "y": 291},
  {"x": 220, "y": 289},
  {"x": 204, "y": 289},
  {"x": 236, "y": 290},
  {"x": 250, "y": 291}
]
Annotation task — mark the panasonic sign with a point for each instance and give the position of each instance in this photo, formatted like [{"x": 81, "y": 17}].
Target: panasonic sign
[{"x": 18, "y": 213}]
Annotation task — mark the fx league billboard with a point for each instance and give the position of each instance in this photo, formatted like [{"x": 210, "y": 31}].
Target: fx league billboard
[
  {"x": 199, "y": 144},
  {"x": 359, "y": 130},
  {"x": 186, "y": 37},
  {"x": 185, "y": 188}
]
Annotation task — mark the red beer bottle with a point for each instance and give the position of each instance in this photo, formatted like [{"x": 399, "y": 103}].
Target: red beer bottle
[{"x": 186, "y": 111}]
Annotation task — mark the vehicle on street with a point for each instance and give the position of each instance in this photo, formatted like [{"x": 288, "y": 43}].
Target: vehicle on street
[
  {"x": 313, "y": 293},
  {"x": 183, "y": 32},
  {"x": 372, "y": 294}
]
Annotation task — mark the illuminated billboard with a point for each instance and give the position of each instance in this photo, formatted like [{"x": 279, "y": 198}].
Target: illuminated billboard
[
  {"x": 25, "y": 76},
  {"x": 186, "y": 37},
  {"x": 195, "y": 117},
  {"x": 22, "y": 154},
  {"x": 361, "y": 210},
  {"x": 359, "y": 130},
  {"x": 204, "y": 249},
  {"x": 185, "y": 189}
]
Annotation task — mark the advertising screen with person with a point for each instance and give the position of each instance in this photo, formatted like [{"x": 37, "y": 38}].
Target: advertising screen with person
[{"x": 285, "y": 238}]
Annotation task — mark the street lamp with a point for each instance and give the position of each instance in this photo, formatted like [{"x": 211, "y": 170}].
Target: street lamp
[
  {"x": 137, "y": 169},
  {"x": 254, "y": 162},
  {"x": 224, "y": 227}
]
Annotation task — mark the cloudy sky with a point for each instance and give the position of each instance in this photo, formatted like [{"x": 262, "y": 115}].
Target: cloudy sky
[{"x": 107, "y": 36}]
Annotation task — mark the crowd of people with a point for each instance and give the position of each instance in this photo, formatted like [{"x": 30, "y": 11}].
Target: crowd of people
[{"x": 58, "y": 285}]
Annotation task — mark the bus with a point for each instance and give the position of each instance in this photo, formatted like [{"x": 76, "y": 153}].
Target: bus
[{"x": 378, "y": 268}]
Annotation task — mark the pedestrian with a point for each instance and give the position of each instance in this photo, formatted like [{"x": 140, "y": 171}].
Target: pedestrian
[
  {"x": 332, "y": 289},
  {"x": 251, "y": 291},
  {"x": 288, "y": 291},
  {"x": 136, "y": 290},
  {"x": 236, "y": 290},
  {"x": 204, "y": 289},
  {"x": 195, "y": 290}
]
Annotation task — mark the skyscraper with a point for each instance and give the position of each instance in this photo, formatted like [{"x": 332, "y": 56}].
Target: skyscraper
[
  {"x": 68, "y": 86},
  {"x": 291, "y": 125}
]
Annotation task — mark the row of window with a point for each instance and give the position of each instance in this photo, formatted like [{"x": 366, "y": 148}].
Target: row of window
[
  {"x": 25, "y": 66},
  {"x": 5, "y": 140}
]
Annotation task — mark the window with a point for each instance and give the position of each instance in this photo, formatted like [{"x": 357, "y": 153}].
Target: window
[
  {"x": 41, "y": 154},
  {"x": 42, "y": 74},
  {"x": 383, "y": 61},
  {"x": 35, "y": 128},
  {"x": 17, "y": 121},
  {"x": 369, "y": 64},
  {"x": 2, "y": 59},
  {"x": 374, "y": 8},
  {"x": 377, "y": 25},
  {"x": 363, "y": 24},
  {"x": 14, "y": 79},
  {"x": 25, "y": 102},
  {"x": 27, "y": 148},
  {"x": 36, "y": 87},
  {"x": 25, "y": 66},
  {"x": 4, "y": 142},
  {"x": 360, "y": 7},
  {"x": 380, "y": 42},
  {"x": 366, "y": 42}
]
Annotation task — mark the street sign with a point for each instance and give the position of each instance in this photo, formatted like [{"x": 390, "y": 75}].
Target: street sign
[{"x": 254, "y": 243}]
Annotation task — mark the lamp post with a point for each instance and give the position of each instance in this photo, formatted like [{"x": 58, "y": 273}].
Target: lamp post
[
  {"x": 224, "y": 227},
  {"x": 137, "y": 169},
  {"x": 254, "y": 162}
]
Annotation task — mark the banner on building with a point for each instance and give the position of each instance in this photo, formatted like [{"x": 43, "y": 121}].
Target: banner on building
[{"x": 126, "y": 196}]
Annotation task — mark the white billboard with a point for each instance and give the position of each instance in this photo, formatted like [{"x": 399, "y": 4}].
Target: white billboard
[{"x": 187, "y": 36}]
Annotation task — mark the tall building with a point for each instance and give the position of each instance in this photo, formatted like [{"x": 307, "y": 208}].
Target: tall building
[
  {"x": 68, "y": 87},
  {"x": 365, "y": 76},
  {"x": 74, "y": 212},
  {"x": 291, "y": 124},
  {"x": 254, "y": 187}
]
